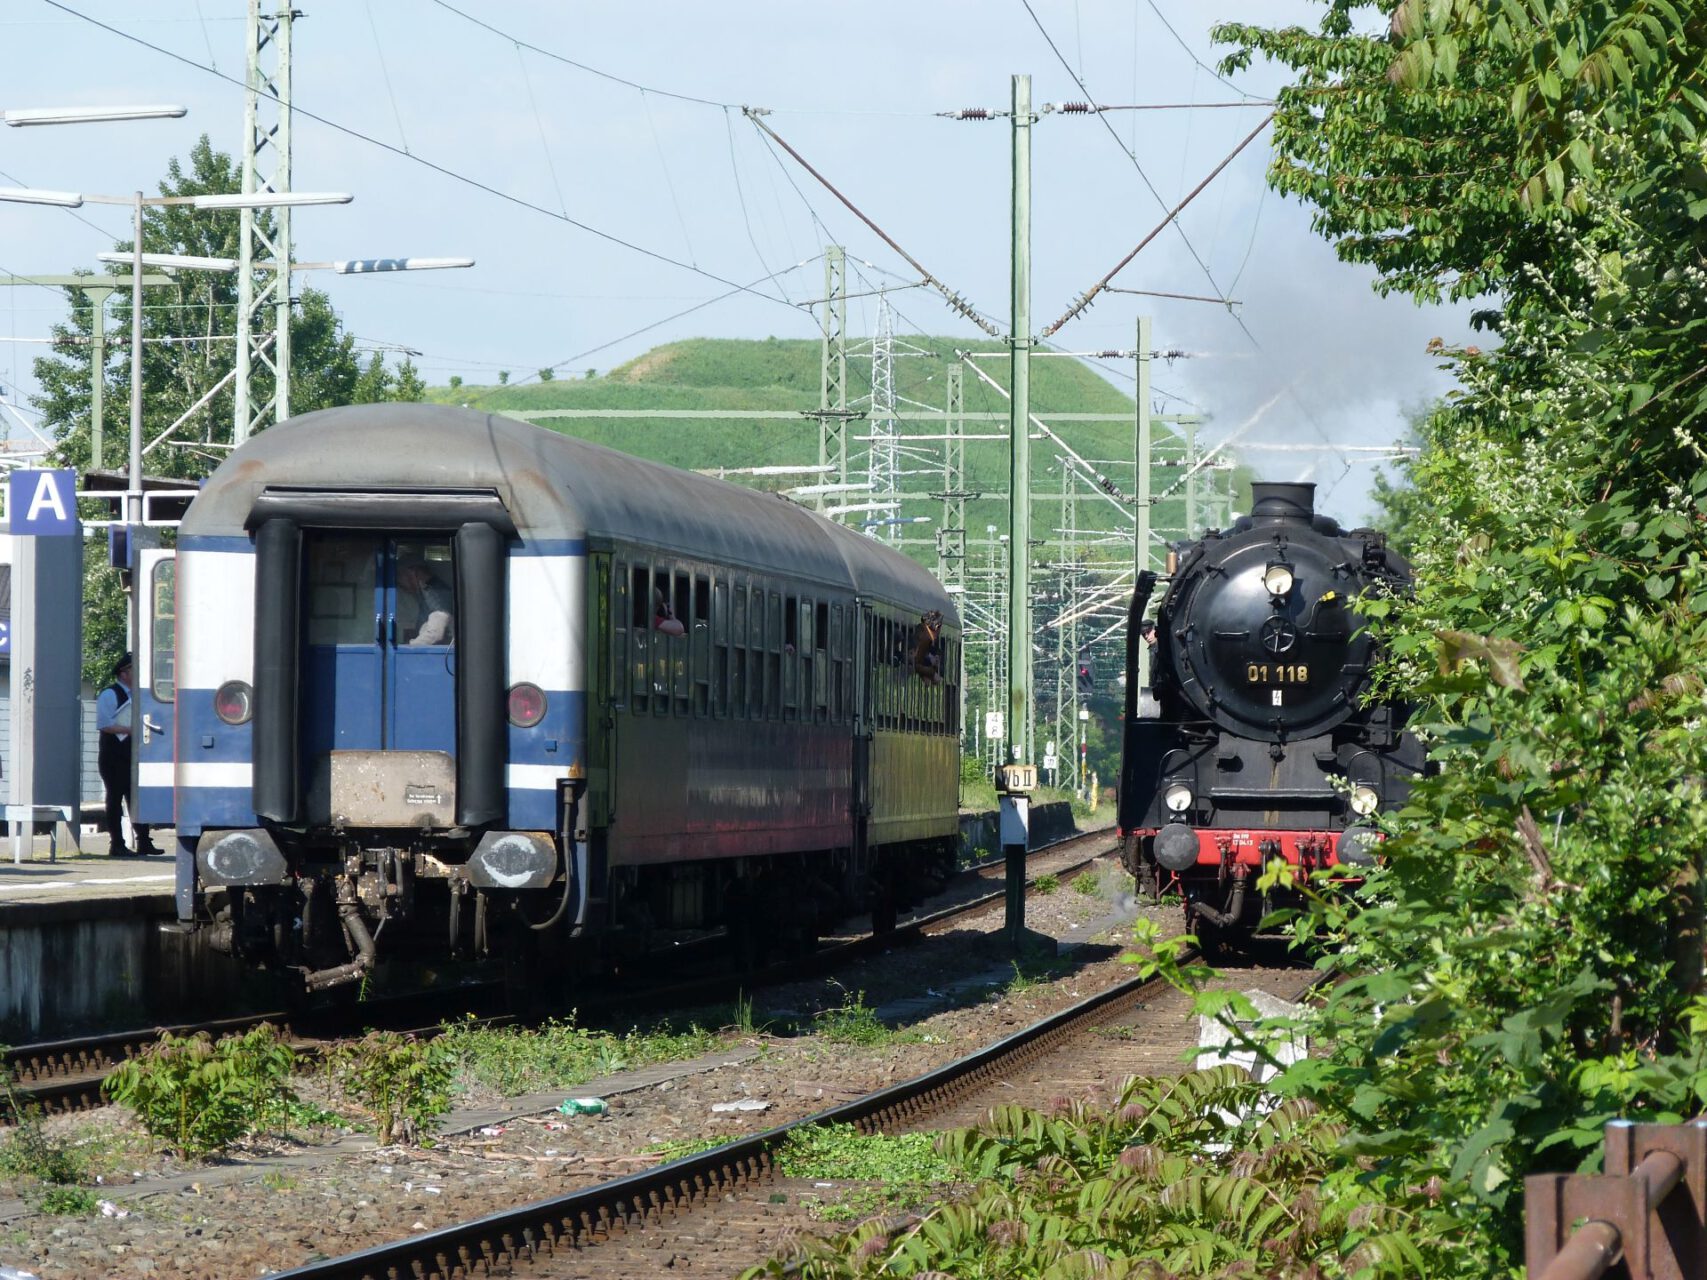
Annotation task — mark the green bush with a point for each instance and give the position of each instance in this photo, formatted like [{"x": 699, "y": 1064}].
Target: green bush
[
  {"x": 560, "y": 1054},
  {"x": 1046, "y": 884},
  {"x": 200, "y": 1096},
  {"x": 31, "y": 1154},
  {"x": 67, "y": 1202},
  {"x": 401, "y": 1082},
  {"x": 852, "y": 1022},
  {"x": 1197, "y": 1175}
]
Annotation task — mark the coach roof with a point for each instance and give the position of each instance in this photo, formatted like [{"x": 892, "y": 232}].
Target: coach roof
[{"x": 554, "y": 487}]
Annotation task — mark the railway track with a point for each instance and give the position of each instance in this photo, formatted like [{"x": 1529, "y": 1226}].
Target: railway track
[
  {"x": 716, "y": 1212},
  {"x": 67, "y": 1075}
]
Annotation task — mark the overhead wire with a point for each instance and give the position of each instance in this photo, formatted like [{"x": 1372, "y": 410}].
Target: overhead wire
[
  {"x": 959, "y": 303},
  {"x": 647, "y": 328},
  {"x": 582, "y": 66},
  {"x": 384, "y": 71},
  {"x": 1131, "y": 155},
  {"x": 441, "y": 169},
  {"x": 669, "y": 180},
  {"x": 539, "y": 127},
  {"x": 741, "y": 196}
]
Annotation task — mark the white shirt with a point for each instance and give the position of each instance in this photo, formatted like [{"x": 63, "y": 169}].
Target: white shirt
[{"x": 108, "y": 712}]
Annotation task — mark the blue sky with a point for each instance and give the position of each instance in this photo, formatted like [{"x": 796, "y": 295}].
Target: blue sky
[{"x": 416, "y": 88}]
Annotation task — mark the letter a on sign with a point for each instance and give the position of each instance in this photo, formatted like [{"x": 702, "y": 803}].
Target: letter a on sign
[{"x": 42, "y": 502}]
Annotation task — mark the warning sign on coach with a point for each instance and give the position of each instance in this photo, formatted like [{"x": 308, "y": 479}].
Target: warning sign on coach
[{"x": 42, "y": 503}]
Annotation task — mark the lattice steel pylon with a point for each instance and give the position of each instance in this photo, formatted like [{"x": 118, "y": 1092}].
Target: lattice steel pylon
[
  {"x": 832, "y": 413},
  {"x": 951, "y": 535},
  {"x": 882, "y": 469},
  {"x": 263, "y": 293}
]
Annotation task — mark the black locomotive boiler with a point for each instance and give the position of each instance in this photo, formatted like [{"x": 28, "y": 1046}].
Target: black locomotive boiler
[{"x": 1259, "y": 742}]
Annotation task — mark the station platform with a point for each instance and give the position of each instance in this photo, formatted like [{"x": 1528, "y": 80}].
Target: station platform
[{"x": 87, "y": 873}]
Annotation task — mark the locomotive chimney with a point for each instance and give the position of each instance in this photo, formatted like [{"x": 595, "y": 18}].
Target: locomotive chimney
[{"x": 1281, "y": 500}]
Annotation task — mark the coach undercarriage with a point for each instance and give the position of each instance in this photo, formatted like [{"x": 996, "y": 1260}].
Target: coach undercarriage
[{"x": 340, "y": 909}]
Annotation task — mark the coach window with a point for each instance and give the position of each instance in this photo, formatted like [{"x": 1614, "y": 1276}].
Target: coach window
[
  {"x": 682, "y": 598},
  {"x": 838, "y": 658},
  {"x": 738, "y": 650},
  {"x": 791, "y": 656},
  {"x": 163, "y": 653},
  {"x": 640, "y": 636},
  {"x": 755, "y": 653},
  {"x": 820, "y": 662},
  {"x": 773, "y": 656},
  {"x": 699, "y": 632},
  {"x": 720, "y": 647},
  {"x": 616, "y": 683}
]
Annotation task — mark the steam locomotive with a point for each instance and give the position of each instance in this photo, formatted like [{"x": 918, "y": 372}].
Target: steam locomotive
[{"x": 1256, "y": 741}]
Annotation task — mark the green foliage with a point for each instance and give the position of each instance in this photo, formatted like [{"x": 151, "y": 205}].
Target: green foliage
[
  {"x": 1528, "y": 962},
  {"x": 67, "y": 1202},
  {"x": 200, "y": 1096},
  {"x": 559, "y": 1054},
  {"x": 681, "y": 1148},
  {"x": 547, "y": 374},
  {"x": 1187, "y": 1175},
  {"x": 1088, "y": 883},
  {"x": 906, "y": 1168},
  {"x": 852, "y": 1022},
  {"x": 1046, "y": 884},
  {"x": 30, "y": 1154},
  {"x": 401, "y": 1082}
]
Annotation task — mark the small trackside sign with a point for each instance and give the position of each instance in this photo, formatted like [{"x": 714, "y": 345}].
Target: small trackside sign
[{"x": 42, "y": 503}]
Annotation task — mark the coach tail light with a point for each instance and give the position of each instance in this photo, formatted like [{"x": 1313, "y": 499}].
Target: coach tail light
[
  {"x": 1177, "y": 798},
  {"x": 234, "y": 702},
  {"x": 526, "y": 705},
  {"x": 1364, "y": 801},
  {"x": 1277, "y": 578}
]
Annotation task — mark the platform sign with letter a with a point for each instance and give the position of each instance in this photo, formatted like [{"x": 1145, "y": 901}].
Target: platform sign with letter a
[{"x": 42, "y": 503}]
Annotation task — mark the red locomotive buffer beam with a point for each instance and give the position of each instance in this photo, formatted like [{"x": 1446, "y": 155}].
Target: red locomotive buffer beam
[
  {"x": 1648, "y": 1210},
  {"x": 1254, "y": 847}
]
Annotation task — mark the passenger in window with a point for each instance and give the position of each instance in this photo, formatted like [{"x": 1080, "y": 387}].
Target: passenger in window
[
  {"x": 926, "y": 661},
  {"x": 434, "y": 603},
  {"x": 664, "y": 618}
]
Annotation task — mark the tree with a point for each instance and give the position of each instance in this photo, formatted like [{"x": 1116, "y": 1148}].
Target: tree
[
  {"x": 187, "y": 329},
  {"x": 547, "y": 374},
  {"x": 1529, "y": 960}
]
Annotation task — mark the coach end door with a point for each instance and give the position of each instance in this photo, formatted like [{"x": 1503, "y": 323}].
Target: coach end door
[{"x": 155, "y": 686}]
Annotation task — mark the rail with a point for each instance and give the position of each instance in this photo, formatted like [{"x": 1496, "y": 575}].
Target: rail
[{"x": 1647, "y": 1214}]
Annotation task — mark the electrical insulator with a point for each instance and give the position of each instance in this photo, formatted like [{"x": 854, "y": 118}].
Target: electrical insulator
[
  {"x": 1074, "y": 108},
  {"x": 972, "y": 113}
]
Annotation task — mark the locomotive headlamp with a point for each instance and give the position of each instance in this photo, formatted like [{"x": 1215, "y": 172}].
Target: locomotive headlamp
[
  {"x": 1277, "y": 578},
  {"x": 1364, "y": 801},
  {"x": 1177, "y": 798}
]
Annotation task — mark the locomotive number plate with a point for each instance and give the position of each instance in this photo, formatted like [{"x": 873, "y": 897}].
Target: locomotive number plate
[{"x": 1277, "y": 673}]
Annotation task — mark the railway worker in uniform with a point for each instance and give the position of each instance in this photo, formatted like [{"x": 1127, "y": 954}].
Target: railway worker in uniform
[
  {"x": 115, "y": 718},
  {"x": 434, "y": 603}
]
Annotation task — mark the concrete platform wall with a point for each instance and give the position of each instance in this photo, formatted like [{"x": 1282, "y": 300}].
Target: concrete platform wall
[{"x": 90, "y": 965}]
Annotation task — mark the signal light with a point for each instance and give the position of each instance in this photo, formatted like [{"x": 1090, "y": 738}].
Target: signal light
[
  {"x": 234, "y": 702},
  {"x": 526, "y": 705},
  {"x": 1087, "y": 682}
]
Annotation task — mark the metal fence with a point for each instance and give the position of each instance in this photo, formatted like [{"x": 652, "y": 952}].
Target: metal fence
[
  {"x": 1645, "y": 1217},
  {"x": 94, "y": 795}
]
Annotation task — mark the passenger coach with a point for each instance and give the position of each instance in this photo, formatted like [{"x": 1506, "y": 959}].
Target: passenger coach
[{"x": 419, "y": 677}]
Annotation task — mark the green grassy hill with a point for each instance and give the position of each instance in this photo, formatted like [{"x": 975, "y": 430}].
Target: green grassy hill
[{"x": 778, "y": 374}]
